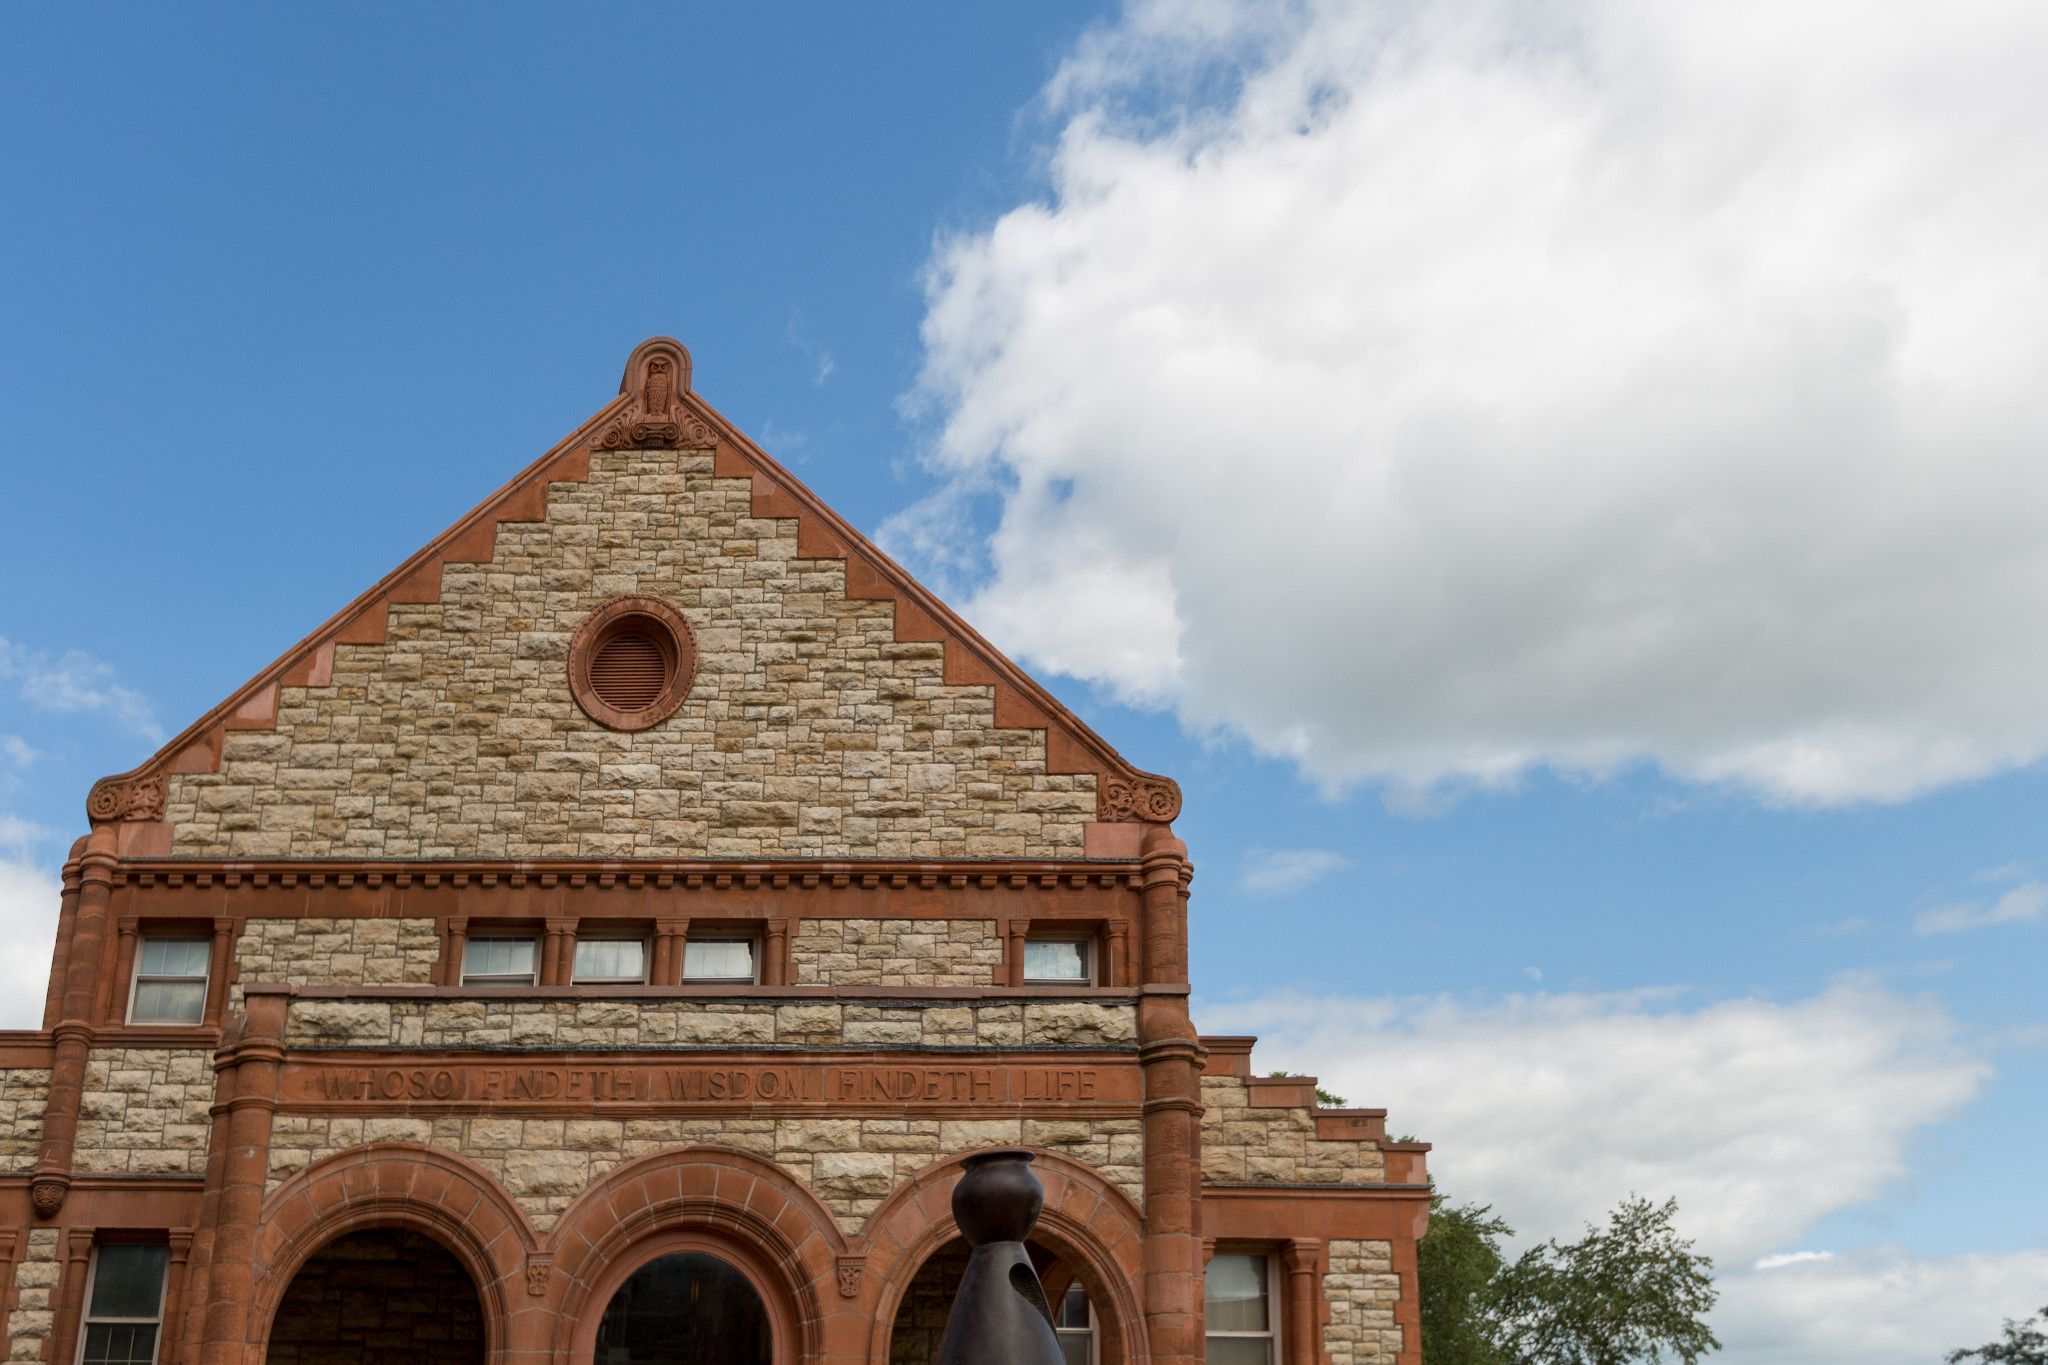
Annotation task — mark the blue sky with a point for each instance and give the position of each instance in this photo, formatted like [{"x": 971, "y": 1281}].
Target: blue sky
[{"x": 1556, "y": 644}]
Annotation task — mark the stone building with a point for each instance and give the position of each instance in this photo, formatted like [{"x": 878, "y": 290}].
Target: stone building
[{"x": 603, "y": 940}]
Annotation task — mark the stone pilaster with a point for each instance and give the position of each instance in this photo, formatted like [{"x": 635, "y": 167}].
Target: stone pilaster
[
  {"x": 73, "y": 1032},
  {"x": 248, "y": 1067},
  {"x": 1171, "y": 1057}
]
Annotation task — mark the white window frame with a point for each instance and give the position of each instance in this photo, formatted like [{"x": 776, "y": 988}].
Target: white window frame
[
  {"x": 85, "y": 1314},
  {"x": 136, "y": 978},
  {"x": 1088, "y": 959},
  {"x": 1272, "y": 1333},
  {"x": 1091, "y": 1331},
  {"x": 753, "y": 942},
  {"x": 486, "y": 980},
  {"x": 576, "y": 979}
]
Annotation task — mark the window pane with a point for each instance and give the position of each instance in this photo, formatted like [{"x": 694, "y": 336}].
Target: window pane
[
  {"x": 608, "y": 958},
  {"x": 1240, "y": 1351},
  {"x": 1236, "y": 1294},
  {"x": 129, "y": 1281},
  {"x": 498, "y": 957},
  {"x": 1074, "y": 1347},
  {"x": 716, "y": 961},
  {"x": 169, "y": 1002},
  {"x": 124, "y": 1343},
  {"x": 1055, "y": 960},
  {"x": 1074, "y": 1307},
  {"x": 173, "y": 957}
]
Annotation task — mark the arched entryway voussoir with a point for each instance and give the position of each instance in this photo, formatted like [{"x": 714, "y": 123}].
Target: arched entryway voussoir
[
  {"x": 1088, "y": 1222},
  {"x": 721, "y": 1201},
  {"x": 395, "y": 1185}
]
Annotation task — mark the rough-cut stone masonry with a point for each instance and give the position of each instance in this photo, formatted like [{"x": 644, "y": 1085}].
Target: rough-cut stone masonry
[
  {"x": 809, "y": 732},
  {"x": 1276, "y": 1146},
  {"x": 145, "y": 1111},
  {"x": 1361, "y": 1290},
  {"x": 897, "y": 952},
  {"x": 850, "y": 1164},
  {"x": 336, "y": 952},
  {"x": 23, "y": 1097},
  {"x": 35, "y": 1285},
  {"x": 921, "y": 1318},
  {"x": 376, "y": 1298},
  {"x": 640, "y": 1023}
]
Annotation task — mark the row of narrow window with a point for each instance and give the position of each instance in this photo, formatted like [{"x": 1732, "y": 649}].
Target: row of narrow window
[{"x": 171, "y": 973}]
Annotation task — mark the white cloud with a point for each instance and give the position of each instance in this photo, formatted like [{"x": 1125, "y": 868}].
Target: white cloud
[
  {"x": 1760, "y": 1117},
  {"x": 1278, "y": 871},
  {"x": 75, "y": 682},
  {"x": 28, "y": 931},
  {"x": 1880, "y": 1307},
  {"x": 1479, "y": 386},
  {"x": 16, "y": 751},
  {"x": 1785, "y": 1258},
  {"x": 2020, "y": 905}
]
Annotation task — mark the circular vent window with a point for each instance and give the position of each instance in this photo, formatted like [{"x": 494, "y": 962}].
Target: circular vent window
[{"x": 632, "y": 662}]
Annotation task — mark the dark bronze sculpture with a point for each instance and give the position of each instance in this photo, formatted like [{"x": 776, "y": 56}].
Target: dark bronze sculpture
[{"x": 1000, "y": 1316}]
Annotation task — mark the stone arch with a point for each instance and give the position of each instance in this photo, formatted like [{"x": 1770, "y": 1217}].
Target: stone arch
[
  {"x": 394, "y": 1185},
  {"x": 1087, "y": 1221},
  {"x": 730, "y": 1203}
]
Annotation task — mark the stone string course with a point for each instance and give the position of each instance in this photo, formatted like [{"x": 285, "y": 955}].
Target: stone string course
[
  {"x": 1362, "y": 1290},
  {"x": 336, "y": 952},
  {"x": 810, "y": 731},
  {"x": 850, "y": 1164},
  {"x": 35, "y": 1287},
  {"x": 24, "y": 1095},
  {"x": 900, "y": 952},
  {"x": 1276, "y": 1146},
  {"x": 633, "y": 1023},
  {"x": 145, "y": 1112}
]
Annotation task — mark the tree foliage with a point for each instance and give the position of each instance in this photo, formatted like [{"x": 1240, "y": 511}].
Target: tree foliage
[
  {"x": 2025, "y": 1343},
  {"x": 1633, "y": 1290}
]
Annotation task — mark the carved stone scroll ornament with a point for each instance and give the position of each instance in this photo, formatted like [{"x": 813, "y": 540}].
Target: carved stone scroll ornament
[
  {"x": 538, "y": 1272},
  {"x": 849, "y": 1276},
  {"x": 129, "y": 797},
  {"x": 46, "y": 1195},
  {"x": 658, "y": 420},
  {"x": 1138, "y": 796}
]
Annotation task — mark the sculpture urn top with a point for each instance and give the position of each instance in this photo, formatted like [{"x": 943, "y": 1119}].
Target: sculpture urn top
[{"x": 998, "y": 1199}]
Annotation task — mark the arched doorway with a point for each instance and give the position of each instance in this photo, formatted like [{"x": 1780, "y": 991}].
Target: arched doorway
[
  {"x": 685, "y": 1308},
  {"x": 376, "y": 1296},
  {"x": 921, "y": 1314}
]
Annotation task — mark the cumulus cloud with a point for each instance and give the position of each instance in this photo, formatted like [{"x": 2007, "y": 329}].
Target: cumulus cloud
[
  {"x": 2022, "y": 904},
  {"x": 72, "y": 683},
  {"x": 1881, "y": 1307},
  {"x": 1760, "y": 1117},
  {"x": 28, "y": 922},
  {"x": 1428, "y": 393},
  {"x": 1278, "y": 871}
]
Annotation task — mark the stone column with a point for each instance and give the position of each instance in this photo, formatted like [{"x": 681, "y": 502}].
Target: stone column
[
  {"x": 775, "y": 953},
  {"x": 1016, "y": 931},
  {"x": 558, "y": 953},
  {"x": 1302, "y": 1259},
  {"x": 225, "y": 931},
  {"x": 71, "y": 1294},
  {"x": 73, "y": 1032},
  {"x": 458, "y": 944},
  {"x": 667, "y": 967},
  {"x": 1171, "y": 1057},
  {"x": 249, "y": 1068},
  {"x": 1117, "y": 945},
  {"x": 111, "y": 1007},
  {"x": 175, "y": 1278},
  {"x": 67, "y": 920}
]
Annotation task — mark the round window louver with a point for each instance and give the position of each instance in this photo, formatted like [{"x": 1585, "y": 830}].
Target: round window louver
[{"x": 632, "y": 662}]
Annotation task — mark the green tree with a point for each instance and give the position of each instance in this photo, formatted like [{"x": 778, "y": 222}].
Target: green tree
[
  {"x": 1633, "y": 1290},
  {"x": 2026, "y": 1343},
  {"x": 1456, "y": 1263},
  {"x": 1630, "y": 1291}
]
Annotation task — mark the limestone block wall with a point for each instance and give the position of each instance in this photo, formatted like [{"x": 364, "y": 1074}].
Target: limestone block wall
[
  {"x": 1361, "y": 1290},
  {"x": 35, "y": 1287},
  {"x": 144, "y": 1111},
  {"x": 896, "y": 952},
  {"x": 810, "y": 731},
  {"x": 1276, "y": 1146},
  {"x": 24, "y": 1095},
  {"x": 336, "y": 952},
  {"x": 851, "y": 1164},
  {"x": 624, "y": 1022}
]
